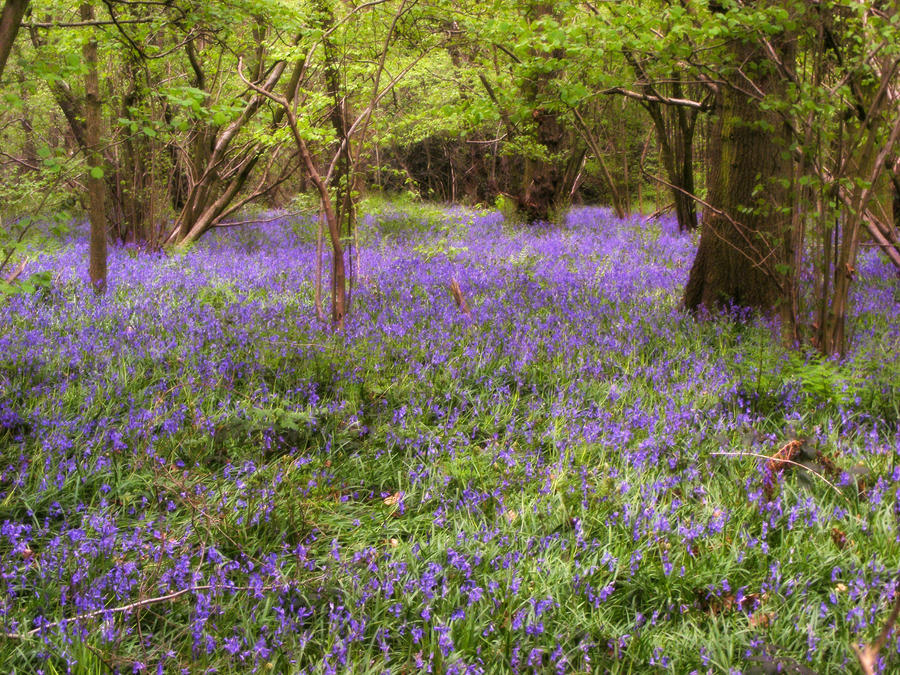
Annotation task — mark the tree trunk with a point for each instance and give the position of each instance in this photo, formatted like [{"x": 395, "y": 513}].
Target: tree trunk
[
  {"x": 677, "y": 149},
  {"x": 542, "y": 178},
  {"x": 683, "y": 161},
  {"x": 95, "y": 184},
  {"x": 344, "y": 177},
  {"x": 894, "y": 173},
  {"x": 208, "y": 198},
  {"x": 744, "y": 254},
  {"x": 865, "y": 166},
  {"x": 10, "y": 20}
]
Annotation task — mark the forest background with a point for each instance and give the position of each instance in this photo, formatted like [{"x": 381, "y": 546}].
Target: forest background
[{"x": 161, "y": 120}]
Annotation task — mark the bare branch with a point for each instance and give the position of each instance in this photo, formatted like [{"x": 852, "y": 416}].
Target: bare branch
[
  {"x": 127, "y": 608},
  {"x": 83, "y": 24},
  {"x": 664, "y": 100}
]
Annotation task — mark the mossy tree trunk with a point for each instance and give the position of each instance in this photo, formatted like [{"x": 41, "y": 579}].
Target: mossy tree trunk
[
  {"x": 542, "y": 178},
  {"x": 745, "y": 242}
]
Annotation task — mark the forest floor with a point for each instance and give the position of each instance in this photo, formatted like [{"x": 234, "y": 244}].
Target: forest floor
[{"x": 196, "y": 475}]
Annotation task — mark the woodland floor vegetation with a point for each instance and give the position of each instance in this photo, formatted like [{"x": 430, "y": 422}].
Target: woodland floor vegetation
[{"x": 564, "y": 472}]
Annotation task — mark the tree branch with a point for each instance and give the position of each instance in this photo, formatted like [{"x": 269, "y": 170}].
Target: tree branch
[
  {"x": 664, "y": 100},
  {"x": 82, "y": 24}
]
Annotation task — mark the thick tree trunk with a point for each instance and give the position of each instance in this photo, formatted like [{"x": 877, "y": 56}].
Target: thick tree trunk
[
  {"x": 95, "y": 184},
  {"x": 542, "y": 181},
  {"x": 542, "y": 177},
  {"x": 10, "y": 20},
  {"x": 744, "y": 255}
]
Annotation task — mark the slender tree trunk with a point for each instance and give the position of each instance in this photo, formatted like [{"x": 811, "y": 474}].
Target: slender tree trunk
[
  {"x": 320, "y": 226},
  {"x": 95, "y": 184},
  {"x": 894, "y": 173},
  {"x": 589, "y": 138},
  {"x": 10, "y": 20},
  {"x": 677, "y": 151},
  {"x": 343, "y": 178},
  {"x": 685, "y": 122},
  {"x": 202, "y": 208},
  {"x": 626, "y": 178},
  {"x": 674, "y": 126},
  {"x": 866, "y": 166}
]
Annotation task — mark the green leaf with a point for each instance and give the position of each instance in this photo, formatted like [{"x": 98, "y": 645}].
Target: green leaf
[{"x": 96, "y": 172}]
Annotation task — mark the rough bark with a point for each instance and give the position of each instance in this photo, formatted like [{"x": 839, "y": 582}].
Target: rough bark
[
  {"x": 744, "y": 253},
  {"x": 542, "y": 176}
]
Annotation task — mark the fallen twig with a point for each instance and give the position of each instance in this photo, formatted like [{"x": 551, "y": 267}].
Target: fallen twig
[
  {"x": 456, "y": 292},
  {"x": 660, "y": 212},
  {"x": 133, "y": 605}
]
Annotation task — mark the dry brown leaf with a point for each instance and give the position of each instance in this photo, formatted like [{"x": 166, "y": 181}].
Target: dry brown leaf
[
  {"x": 761, "y": 619},
  {"x": 784, "y": 456},
  {"x": 838, "y": 537},
  {"x": 728, "y": 602},
  {"x": 827, "y": 463},
  {"x": 777, "y": 463}
]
